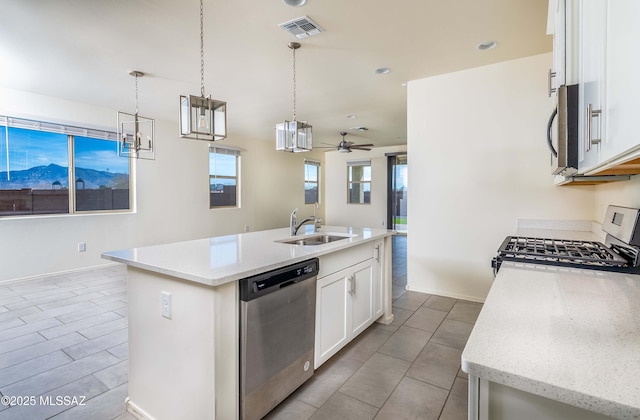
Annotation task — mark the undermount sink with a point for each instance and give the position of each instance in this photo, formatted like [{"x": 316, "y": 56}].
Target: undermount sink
[{"x": 314, "y": 240}]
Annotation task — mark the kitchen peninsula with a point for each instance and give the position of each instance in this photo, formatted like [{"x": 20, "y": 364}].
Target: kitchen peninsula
[
  {"x": 556, "y": 342},
  {"x": 183, "y": 310}
]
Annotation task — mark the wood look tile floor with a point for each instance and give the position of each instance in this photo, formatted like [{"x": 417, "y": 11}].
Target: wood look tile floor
[{"x": 66, "y": 336}]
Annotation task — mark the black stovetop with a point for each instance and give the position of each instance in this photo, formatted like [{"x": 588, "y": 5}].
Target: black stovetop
[{"x": 561, "y": 252}]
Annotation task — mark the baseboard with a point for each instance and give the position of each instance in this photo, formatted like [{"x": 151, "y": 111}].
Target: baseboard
[
  {"x": 448, "y": 294},
  {"x": 58, "y": 273},
  {"x": 136, "y": 411}
]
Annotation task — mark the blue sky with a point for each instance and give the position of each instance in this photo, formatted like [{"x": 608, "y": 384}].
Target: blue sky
[{"x": 28, "y": 149}]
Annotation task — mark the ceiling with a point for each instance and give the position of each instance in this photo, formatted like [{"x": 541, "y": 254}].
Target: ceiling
[{"x": 83, "y": 50}]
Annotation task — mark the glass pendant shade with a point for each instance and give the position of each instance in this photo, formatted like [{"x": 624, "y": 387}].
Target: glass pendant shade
[
  {"x": 294, "y": 136},
  {"x": 135, "y": 136},
  {"x": 202, "y": 118}
]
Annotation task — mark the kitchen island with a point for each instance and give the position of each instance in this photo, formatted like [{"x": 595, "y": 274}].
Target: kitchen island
[
  {"x": 183, "y": 311},
  {"x": 556, "y": 342}
]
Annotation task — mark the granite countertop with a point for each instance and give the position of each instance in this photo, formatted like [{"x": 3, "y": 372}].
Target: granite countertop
[
  {"x": 571, "y": 335},
  {"x": 219, "y": 260}
]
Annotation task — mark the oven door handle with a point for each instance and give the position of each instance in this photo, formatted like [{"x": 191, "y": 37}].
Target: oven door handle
[{"x": 549, "y": 124}]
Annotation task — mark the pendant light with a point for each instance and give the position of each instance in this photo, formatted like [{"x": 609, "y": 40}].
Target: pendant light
[
  {"x": 294, "y": 136},
  {"x": 202, "y": 118},
  {"x": 135, "y": 132}
]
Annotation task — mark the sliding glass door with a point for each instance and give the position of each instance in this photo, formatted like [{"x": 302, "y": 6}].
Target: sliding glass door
[{"x": 397, "y": 192}]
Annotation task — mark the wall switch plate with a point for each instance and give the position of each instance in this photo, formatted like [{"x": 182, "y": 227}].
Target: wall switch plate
[
  {"x": 165, "y": 298},
  {"x": 246, "y": 228},
  {"x": 82, "y": 246}
]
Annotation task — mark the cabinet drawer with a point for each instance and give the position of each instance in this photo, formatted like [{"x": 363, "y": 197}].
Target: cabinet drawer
[{"x": 342, "y": 259}]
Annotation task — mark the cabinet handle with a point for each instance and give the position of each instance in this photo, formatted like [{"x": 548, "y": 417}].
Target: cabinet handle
[
  {"x": 591, "y": 113},
  {"x": 377, "y": 257},
  {"x": 552, "y": 74},
  {"x": 352, "y": 284}
]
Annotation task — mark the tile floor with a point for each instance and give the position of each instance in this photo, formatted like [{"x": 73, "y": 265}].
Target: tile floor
[
  {"x": 409, "y": 369},
  {"x": 66, "y": 336}
]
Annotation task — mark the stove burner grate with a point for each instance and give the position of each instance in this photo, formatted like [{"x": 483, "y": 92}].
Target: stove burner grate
[{"x": 561, "y": 251}]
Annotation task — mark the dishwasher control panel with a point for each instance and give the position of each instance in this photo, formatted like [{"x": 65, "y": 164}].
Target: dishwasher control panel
[{"x": 270, "y": 281}]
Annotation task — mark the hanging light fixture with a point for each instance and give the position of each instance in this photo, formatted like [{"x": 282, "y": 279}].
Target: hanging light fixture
[
  {"x": 202, "y": 118},
  {"x": 135, "y": 132},
  {"x": 294, "y": 136}
]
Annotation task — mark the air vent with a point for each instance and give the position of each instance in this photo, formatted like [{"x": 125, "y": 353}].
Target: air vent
[{"x": 302, "y": 27}]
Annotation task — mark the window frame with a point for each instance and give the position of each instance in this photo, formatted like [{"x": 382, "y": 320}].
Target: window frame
[
  {"x": 226, "y": 150},
  {"x": 350, "y": 182},
  {"x": 317, "y": 166},
  {"x": 71, "y": 132}
]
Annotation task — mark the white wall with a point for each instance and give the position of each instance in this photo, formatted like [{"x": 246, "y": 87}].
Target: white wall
[
  {"x": 625, "y": 194},
  {"x": 172, "y": 196},
  {"x": 338, "y": 212},
  {"x": 477, "y": 161}
]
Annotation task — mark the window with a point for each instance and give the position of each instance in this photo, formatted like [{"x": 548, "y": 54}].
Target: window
[
  {"x": 359, "y": 182},
  {"x": 55, "y": 169},
  {"x": 311, "y": 181},
  {"x": 224, "y": 170}
]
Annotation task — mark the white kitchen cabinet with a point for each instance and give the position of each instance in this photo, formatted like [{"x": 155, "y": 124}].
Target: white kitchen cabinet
[
  {"x": 622, "y": 82},
  {"x": 344, "y": 308},
  {"x": 592, "y": 67},
  {"x": 347, "y": 302},
  {"x": 493, "y": 401},
  {"x": 556, "y": 27}
]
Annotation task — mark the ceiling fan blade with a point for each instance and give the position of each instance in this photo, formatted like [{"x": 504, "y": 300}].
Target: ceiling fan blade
[
  {"x": 359, "y": 148},
  {"x": 363, "y": 145}
]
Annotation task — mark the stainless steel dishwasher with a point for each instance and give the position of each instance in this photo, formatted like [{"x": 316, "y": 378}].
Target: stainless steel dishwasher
[{"x": 277, "y": 335}]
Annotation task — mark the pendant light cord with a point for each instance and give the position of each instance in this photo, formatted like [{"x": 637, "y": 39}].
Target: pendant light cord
[
  {"x": 136, "y": 75},
  {"x": 201, "y": 48},
  {"x": 294, "y": 84}
]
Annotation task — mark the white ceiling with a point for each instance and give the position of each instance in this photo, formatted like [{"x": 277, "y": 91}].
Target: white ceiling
[{"x": 82, "y": 50}]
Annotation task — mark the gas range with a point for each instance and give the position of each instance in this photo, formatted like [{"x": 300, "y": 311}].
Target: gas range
[{"x": 619, "y": 253}]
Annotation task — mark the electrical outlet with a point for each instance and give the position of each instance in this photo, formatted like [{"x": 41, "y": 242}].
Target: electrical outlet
[
  {"x": 82, "y": 246},
  {"x": 165, "y": 298},
  {"x": 246, "y": 228}
]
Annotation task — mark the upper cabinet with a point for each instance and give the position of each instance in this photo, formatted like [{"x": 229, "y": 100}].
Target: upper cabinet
[
  {"x": 622, "y": 77},
  {"x": 596, "y": 45},
  {"x": 591, "y": 79}
]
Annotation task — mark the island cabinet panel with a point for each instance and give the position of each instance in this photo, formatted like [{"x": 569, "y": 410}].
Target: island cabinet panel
[
  {"x": 500, "y": 402},
  {"x": 184, "y": 366},
  {"x": 349, "y": 300}
]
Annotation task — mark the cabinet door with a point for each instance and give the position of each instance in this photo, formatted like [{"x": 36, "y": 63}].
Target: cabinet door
[
  {"x": 623, "y": 82},
  {"x": 592, "y": 80},
  {"x": 332, "y": 330},
  {"x": 557, "y": 10},
  {"x": 360, "y": 290}
]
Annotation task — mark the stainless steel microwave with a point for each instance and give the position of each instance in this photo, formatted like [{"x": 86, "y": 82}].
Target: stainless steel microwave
[{"x": 566, "y": 154}]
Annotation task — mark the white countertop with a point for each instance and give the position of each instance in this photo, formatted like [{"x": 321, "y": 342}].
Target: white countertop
[
  {"x": 567, "y": 334},
  {"x": 219, "y": 260}
]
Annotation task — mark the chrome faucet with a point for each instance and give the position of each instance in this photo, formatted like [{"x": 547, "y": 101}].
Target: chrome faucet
[{"x": 293, "y": 221}]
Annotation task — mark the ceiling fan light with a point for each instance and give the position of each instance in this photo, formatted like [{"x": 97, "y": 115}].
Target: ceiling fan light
[{"x": 295, "y": 3}]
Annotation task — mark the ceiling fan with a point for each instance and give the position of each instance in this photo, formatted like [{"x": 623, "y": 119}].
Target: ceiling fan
[{"x": 346, "y": 146}]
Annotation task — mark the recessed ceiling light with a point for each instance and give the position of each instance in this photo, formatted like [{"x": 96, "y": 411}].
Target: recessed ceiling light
[
  {"x": 486, "y": 45},
  {"x": 352, "y": 116},
  {"x": 295, "y": 3},
  {"x": 382, "y": 70}
]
